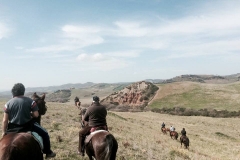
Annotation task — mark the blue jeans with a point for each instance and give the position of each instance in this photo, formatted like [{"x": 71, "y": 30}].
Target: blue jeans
[{"x": 44, "y": 134}]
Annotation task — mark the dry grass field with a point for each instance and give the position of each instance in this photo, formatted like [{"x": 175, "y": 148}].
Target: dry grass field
[{"x": 139, "y": 136}]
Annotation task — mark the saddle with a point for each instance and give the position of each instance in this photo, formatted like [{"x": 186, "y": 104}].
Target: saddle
[
  {"x": 89, "y": 137},
  {"x": 38, "y": 139}
]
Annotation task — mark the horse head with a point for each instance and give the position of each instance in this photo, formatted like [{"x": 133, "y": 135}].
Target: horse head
[{"x": 40, "y": 100}]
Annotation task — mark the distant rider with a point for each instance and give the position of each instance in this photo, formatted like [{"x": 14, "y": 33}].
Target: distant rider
[
  {"x": 183, "y": 132},
  {"x": 163, "y": 125},
  {"x": 172, "y": 129}
]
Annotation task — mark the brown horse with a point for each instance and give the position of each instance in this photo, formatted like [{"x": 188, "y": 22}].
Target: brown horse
[
  {"x": 184, "y": 139},
  {"x": 41, "y": 105},
  {"x": 77, "y": 102},
  {"x": 167, "y": 130},
  {"x": 82, "y": 112},
  {"x": 20, "y": 146},
  {"x": 164, "y": 130},
  {"x": 174, "y": 134},
  {"x": 101, "y": 146}
]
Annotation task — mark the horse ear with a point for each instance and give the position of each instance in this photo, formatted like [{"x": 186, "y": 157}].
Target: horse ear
[
  {"x": 43, "y": 96},
  {"x": 34, "y": 95}
]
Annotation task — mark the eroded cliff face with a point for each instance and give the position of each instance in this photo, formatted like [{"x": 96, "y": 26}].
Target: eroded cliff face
[{"x": 136, "y": 94}]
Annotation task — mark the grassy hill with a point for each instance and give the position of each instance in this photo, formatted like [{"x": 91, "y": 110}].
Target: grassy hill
[
  {"x": 196, "y": 95},
  {"x": 139, "y": 136}
]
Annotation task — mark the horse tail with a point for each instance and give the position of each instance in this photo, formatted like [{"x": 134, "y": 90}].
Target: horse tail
[{"x": 111, "y": 148}]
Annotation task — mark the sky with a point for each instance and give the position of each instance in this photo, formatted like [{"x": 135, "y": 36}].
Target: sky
[{"x": 49, "y": 43}]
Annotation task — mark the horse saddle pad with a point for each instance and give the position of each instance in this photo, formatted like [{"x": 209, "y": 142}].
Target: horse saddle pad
[
  {"x": 89, "y": 137},
  {"x": 38, "y": 139}
]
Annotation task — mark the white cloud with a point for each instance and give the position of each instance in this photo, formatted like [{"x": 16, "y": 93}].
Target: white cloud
[
  {"x": 126, "y": 54},
  {"x": 82, "y": 57},
  {"x": 100, "y": 61},
  {"x": 130, "y": 29},
  {"x": 72, "y": 38},
  {"x": 4, "y": 31}
]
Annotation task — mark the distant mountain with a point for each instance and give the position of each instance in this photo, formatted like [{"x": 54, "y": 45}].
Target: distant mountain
[
  {"x": 61, "y": 87},
  {"x": 154, "y": 80},
  {"x": 215, "y": 79}
]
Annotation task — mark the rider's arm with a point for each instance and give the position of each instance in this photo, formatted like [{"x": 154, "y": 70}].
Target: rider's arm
[
  {"x": 4, "y": 124},
  {"x": 86, "y": 116},
  {"x": 35, "y": 114}
]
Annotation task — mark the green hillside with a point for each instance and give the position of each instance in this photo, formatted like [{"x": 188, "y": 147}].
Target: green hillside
[{"x": 193, "y": 95}]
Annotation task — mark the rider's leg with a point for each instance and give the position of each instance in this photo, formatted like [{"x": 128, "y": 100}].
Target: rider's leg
[{"x": 82, "y": 134}]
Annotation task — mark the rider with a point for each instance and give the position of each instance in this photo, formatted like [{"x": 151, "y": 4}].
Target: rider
[
  {"x": 77, "y": 102},
  {"x": 18, "y": 117},
  {"x": 172, "y": 129},
  {"x": 96, "y": 117},
  {"x": 183, "y": 132},
  {"x": 163, "y": 125}
]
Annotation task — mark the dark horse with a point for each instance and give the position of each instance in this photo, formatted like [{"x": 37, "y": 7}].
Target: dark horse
[
  {"x": 174, "y": 135},
  {"x": 20, "y": 146},
  {"x": 41, "y": 105},
  {"x": 184, "y": 139},
  {"x": 102, "y": 146}
]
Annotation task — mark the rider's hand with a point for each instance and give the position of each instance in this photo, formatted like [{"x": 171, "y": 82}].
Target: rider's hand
[{"x": 3, "y": 134}]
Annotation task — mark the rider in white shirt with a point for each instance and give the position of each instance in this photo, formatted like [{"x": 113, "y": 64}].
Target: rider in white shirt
[{"x": 172, "y": 128}]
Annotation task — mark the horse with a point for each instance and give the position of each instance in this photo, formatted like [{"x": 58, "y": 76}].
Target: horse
[
  {"x": 41, "y": 105},
  {"x": 77, "y": 102},
  {"x": 164, "y": 130},
  {"x": 101, "y": 145},
  {"x": 184, "y": 139},
  {"x": 167, "y": 130},
  {"x": 20, "y": 146},
  {"x": 82, "y": 112},
  {"x": 173, "y": 135}
]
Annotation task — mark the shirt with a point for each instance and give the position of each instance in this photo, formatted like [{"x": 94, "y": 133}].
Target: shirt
[{"x": 19, "y": 109}]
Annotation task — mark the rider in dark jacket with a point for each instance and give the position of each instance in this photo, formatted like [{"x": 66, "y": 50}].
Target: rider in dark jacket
[
  {"x": 183, "y": 132},
  {"x": 163, "y": 125},
  {"x": 96, "y": 118}
]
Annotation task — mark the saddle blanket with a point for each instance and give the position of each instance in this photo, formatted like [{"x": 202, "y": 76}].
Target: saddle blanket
[
  {"x": 38, "y": 139},
  {"x": 89, "y": 137}
]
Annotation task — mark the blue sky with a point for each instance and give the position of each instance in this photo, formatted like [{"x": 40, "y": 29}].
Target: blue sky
[{"x": 48, "y": 43}]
